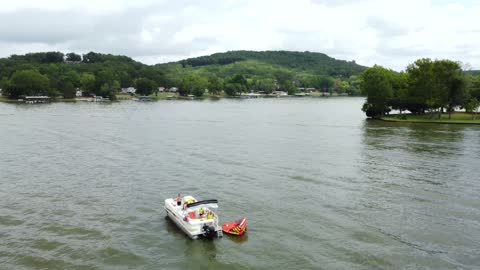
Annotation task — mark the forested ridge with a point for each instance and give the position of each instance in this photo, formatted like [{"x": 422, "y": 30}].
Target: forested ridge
[{"x": 316, "y": 63}]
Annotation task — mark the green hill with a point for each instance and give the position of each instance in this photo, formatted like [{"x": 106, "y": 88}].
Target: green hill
[{"x": 296, "y": 62}]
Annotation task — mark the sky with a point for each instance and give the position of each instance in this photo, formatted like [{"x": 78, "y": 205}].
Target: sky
[{"x": 383, "y": 32}]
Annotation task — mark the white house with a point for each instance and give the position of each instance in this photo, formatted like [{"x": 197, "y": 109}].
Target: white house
[{"x": 129, "y": 90}]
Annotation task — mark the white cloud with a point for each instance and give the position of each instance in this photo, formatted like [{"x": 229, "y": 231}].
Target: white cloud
[{"x": 389, "y": 33}]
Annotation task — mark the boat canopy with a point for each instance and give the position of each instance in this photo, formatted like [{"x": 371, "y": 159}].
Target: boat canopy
[{"x": 204, "y": 203}]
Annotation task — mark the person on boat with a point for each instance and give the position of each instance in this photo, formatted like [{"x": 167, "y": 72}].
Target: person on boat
[
  {"x": 201, "y": 212},
  {"x": 210, "y": 215},
  {"x": 179, "y": 199}
]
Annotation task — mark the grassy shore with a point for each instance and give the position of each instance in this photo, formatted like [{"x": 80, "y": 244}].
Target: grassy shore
[
  {"x": 457, "y": 118},
  {"x": 8, "y": 100},
  {"x": 163, "y": 95}
]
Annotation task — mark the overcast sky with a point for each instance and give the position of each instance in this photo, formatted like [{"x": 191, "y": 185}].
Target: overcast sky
[{"x": 384, "y": 32}]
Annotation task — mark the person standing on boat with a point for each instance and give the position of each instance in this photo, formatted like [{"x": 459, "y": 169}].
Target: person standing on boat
[{"x": 179, "y": 199}]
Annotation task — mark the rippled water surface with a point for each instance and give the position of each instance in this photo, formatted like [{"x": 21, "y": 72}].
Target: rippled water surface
[{"x": 82, "y": 186}]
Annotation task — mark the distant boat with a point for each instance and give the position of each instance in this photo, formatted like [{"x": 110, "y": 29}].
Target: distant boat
[
  {"x": 35, "y": 99},
  {"x": 100, "y": 99},
  {"x": 279, "y": 93},
  {"x": 250, "y": 95},
  {"x": 144, "y": 98}
]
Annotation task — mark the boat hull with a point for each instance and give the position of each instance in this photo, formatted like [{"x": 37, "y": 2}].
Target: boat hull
[{"x": 194, "y": 228}]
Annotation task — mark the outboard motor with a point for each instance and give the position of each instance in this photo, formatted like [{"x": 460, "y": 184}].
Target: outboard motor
[{"x": 209, "y": 231}]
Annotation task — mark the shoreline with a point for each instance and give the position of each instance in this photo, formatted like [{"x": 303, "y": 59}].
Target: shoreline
[
  {"x": 458, "y": 118},
  {"x": 171, "y": 96}
]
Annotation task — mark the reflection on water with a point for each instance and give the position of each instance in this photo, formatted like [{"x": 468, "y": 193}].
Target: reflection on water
[
  {"x": 418, "y": 188},
  {"x": 237, "y": 239}
]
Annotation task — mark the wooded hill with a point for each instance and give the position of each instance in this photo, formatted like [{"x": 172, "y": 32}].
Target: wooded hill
[
  {"x": 58, "y": 74},
  {"x": 310, "y": 62}
]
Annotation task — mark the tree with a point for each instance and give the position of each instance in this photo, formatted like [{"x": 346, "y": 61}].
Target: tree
[
  {"x": 265, "y": 85},
  {"x": 233, "y": 89},
  {"x": 193, "y": 85},
  {"x": 324, "y": 83},
  {"x": 53, "y": 57},
  {"x": 354, "y": 83},
  {"x": 472, "y": 107},
  {"x": 474, "y": 86},
  {"x": 306, "y": 80},
  {"x": 87, "y": 81},
  {"x": 145, "y": 86},
  {"x": 341, "y": 86},
  {"x": 377, "y": 85},
  {"x": 239, "y": 79},
  {"x": 92, "y": 57},
  {"x": 68, "y": 89},
  {"x": 215, "y": 85},
  {"x": 73, "y": 77},
  {"x": 283, "y": 76},
  {"x": 288, "y": 87},
  {"x": 421, "y": 86},
  {"x": 125, "y": 79},
  {"x": 399, "y": 101},
  {"x": 450, "y": 84},
  {"x": 435, "y": 85},
  {"x": 149, "y": 73},
  {"x": 28, "y": 83},
  {"x": 104, "y": 76},
  {"x": 73, "y": 57},
  {"x": 109, "y": 90},
  {"x": 3, "y": 83}
]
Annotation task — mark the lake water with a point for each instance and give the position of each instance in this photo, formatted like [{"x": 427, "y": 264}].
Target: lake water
[{"x": 82, "y": 186}]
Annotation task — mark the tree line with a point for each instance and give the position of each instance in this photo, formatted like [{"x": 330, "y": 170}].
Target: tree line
[
  {"x": 57, "y": 74},
  {"x": 426, "y": 86}
]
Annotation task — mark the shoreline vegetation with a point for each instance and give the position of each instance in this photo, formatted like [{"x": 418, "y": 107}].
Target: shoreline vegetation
[
  {"x": 428, "y": 91},
  {"x": 43, "y": 76},
  {"x": 176, "y": 96},
  {"x": 432, "y": 118}
]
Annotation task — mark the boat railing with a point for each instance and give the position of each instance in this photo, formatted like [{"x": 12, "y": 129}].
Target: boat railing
[{"x": 215, "y": 221}]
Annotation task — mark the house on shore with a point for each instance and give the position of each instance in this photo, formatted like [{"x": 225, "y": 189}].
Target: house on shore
[{"x": 129, "y": 90}]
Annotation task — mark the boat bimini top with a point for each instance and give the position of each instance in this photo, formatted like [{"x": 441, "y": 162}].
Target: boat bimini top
[{"x": 205, "y": 203}]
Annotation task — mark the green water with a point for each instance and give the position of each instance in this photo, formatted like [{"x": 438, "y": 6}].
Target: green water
[{"x": 82, "y": 186}]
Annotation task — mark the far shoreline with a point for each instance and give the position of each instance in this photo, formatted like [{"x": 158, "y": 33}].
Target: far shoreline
[{"x": 173, "y": 96}]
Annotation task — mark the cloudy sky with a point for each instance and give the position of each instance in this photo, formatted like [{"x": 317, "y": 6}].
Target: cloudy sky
[{"x": 384, "y": 32}]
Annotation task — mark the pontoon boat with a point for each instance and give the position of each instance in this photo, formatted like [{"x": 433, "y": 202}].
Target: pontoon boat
[{"x": 195, "y": 218}]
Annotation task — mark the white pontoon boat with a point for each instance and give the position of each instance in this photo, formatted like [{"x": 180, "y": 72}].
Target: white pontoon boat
[{"x": 195, "y": 218}]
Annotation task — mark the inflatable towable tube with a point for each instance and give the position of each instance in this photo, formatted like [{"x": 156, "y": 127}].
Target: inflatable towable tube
[{"x": 237, "y": 227}]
